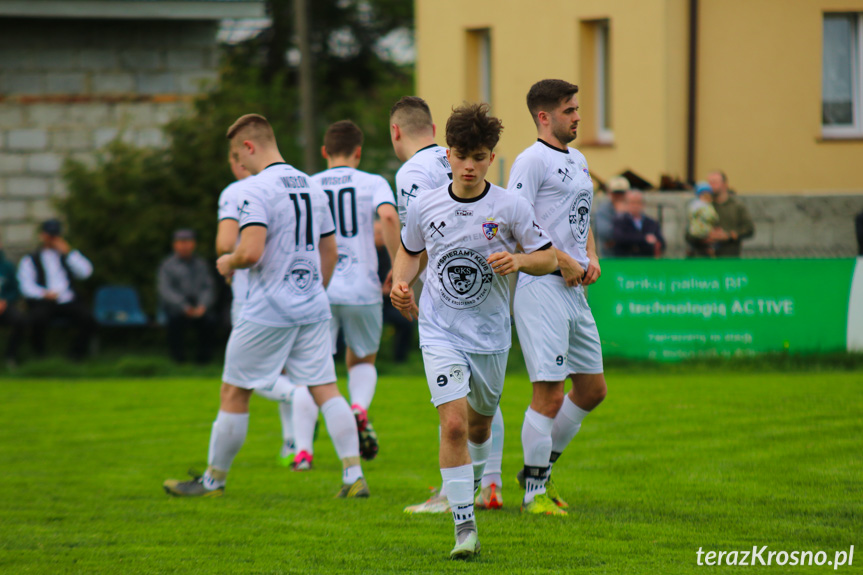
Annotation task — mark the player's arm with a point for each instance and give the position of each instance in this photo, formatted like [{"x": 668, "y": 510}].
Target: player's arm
[
  {"x": 329, "y": 257},
  {"x": 537, "y": 263},
  {"x": 226, "y": 236},
  {"x": 390, "y": 228},
  {"x": 253, "y": 239},
  {"x": 593, "y": 270},
  {"x": 406, "y": 267}
]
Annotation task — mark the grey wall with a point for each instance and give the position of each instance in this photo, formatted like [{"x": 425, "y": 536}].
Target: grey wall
[{"x": 67, "y": 87}]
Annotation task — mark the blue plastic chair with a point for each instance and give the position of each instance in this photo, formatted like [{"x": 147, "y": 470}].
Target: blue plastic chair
[{"x": 118, "y": 306}]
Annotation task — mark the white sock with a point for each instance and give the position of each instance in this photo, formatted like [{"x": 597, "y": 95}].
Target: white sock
[
  {"x": 459, "y": 487},
  {"x": 536, "y": 443},
  {"x": 281, "y": 390},
  {"x": 566, "y": 424},
  {"x": 494, "y": 463},
  {"x": 478, "y": 456},
  {"x": 305, "y": 416},
  {"x": 362, "y": 380},
  {"x": 442, "y": 492},
  {"x": 351, "y": 474},
  {"x": 342, "y": 427},
  {"x": 226, "y": 439}
]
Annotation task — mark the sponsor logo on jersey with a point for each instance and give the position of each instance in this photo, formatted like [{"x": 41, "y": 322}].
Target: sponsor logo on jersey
[
  {"x": 302, "y": 276},
  {"x": 465, "y": 278},
  {"x": 489, "y": 229},
  {"x": 347, "y": 260},
  {"x": 579, "y": 215},
  {"x": 437, "y": 229},
  {"x": 465, "y": 213}
]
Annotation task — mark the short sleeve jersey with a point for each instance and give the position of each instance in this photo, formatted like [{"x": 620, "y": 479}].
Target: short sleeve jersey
[
  {"x": 285, "y": 286},
  {"x": 427, "y": 169},
  {"x": 557, "y": 184},
  {"x": 354, "y": 198},
  {"x": 228, "y": 208},
  {"x": 465, "y": 305}
]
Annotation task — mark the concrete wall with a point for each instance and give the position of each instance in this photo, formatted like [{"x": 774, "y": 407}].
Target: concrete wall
[
  {"x": 799, "y": 225},
  {"x": 68, "y": 87}
]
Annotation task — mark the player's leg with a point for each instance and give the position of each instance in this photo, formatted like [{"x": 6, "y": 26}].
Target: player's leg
[
  {"x": 487, "y": 374},
  {"x": 362, "y": 326},
  {"x": 491, "y": 492},
  {"x": 253, "y": 359},
  {"x": 305, "y": 415},
  {"x": 282, "y": 392},
  {"x": 543, "y": 322},
  {"x": 311, "y": 363}
]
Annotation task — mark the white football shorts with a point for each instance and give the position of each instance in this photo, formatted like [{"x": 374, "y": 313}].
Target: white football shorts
[
  {"x": 361, "y": 324},
  {"x": 256, "y": 355},
  {"x": 556, "y": 330},
  {"x": 454, "y": 374}
]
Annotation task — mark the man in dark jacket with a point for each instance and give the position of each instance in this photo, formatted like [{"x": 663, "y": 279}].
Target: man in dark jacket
[
  {"x": 635, "y": 234},
  {"x": 187, "y": 292},
  {"x": 46, "y": 278},
  {"x": 9, "y": 314}
]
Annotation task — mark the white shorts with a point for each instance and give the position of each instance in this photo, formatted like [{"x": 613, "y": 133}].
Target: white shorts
[
  {"x": 361, "y": 324},
  {"x": 256, "y": 355},
  {"x": 556, "y": 330},
  {"x": 454, "y": 374}
]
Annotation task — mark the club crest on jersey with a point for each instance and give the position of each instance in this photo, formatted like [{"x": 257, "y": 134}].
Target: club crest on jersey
[
  {"x": 579, "y": 215},
  {"x": 346, "y": 261},
  {"x": 465, "y": 278},
  {"x": 456, "y": 374},
  {"x": 302, "y": 276},
  {"x": 490, "y": 230}
]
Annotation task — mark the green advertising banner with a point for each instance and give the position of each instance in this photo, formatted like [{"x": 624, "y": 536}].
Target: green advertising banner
[{"x": 671, "y": 310}]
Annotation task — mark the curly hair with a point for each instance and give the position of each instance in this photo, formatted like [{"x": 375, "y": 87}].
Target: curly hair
[{"x": 470, "y": 127}]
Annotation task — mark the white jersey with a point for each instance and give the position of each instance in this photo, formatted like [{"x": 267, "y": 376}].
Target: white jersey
[
  {"x": 285, "y": 286},
  {"x": 228, "y": 210},
  {"x": 427, "y": 169},
  {"x": 355, "y": 197},
  {"x": 465, "y": 305},
  {"x": 558, "y": 186}
]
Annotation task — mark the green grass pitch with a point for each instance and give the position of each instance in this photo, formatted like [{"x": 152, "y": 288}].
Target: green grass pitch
[{"x": 669, "y": 463}]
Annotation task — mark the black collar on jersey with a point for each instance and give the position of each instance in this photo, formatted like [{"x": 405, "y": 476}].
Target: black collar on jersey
[
  {"x": 426, "y": 148},
  {"x": 555, "y": 148},
  {"x": 469, "y": 200},
  {"x": 276, "y": 164}
]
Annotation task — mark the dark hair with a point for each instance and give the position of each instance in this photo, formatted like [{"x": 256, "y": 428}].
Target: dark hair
[
  {"x": 412, "y": 114},
  {"x": 257, "y": 126},
  {"x": 342, "y": 138},
  {"x": 470, "y": 128},
  {"x": 546, "y": 95}
]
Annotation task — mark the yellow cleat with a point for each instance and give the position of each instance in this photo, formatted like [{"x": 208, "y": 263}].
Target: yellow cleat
[{"x": 542, "y": 505}]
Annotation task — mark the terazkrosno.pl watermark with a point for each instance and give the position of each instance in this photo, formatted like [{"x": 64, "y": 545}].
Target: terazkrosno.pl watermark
[{"x": 766, "y": 557}]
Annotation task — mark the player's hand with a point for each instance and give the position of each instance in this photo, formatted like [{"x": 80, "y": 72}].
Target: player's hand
[
  {"x": 61, "y": 245},
  {"x": 402, "y": 298},
  {"x": 387, "y": 285},
  {"x": 570, "y": 270},
  {"x": 3, "y": 306},
  {"x": 593, "y": 272},
  {"x": 50, "y": 295},
  {"x": 223, "y": 264},
  {"x": 504, "y": 263}
]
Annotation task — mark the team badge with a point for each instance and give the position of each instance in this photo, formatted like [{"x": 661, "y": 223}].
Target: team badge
[
  {"x": 456, "y": 374},
  {"x": 490, "y": 230},
  {"x": 302, "y": 276},
  {"x": 465, "y": 278},
  {"x": 347, "y": 260},
  {"x": 579, "y": 215}
]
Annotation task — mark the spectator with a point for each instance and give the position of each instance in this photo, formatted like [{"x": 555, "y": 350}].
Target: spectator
[
  {"x": 9, "y": 314},
  {"x": 735, "y": 223},
  {"x": 46, "y": 280},
  {"x": 607, "y": 211},
  {"x": 403, "y": 341},
  {"x": 186, "y": 294},
  {"x": 858, "y": 225},
  {"x": 702, "y": 220},
  {"x": 635, "y": 234}
]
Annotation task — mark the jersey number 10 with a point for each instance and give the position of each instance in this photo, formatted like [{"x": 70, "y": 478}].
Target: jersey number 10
[{"x": 340, "y": 221}]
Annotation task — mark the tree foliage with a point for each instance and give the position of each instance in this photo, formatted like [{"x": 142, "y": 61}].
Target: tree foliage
[{"x": 122, "y": 210}]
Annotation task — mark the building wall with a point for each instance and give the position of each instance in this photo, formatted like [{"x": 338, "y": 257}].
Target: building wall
[
  {"x": 69, "y": 87},
  {"x": 759, "y": 84}
]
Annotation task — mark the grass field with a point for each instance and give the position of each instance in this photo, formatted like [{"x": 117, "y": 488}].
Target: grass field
[{"x": 669, "y": 463}]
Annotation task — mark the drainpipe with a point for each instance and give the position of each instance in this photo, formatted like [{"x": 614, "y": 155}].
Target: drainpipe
[{"x": 692, "y": 91}]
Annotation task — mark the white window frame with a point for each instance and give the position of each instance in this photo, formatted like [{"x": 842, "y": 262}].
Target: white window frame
[
  {"x": 854, "y": 130},
  {"x": 602, "y": 47}
]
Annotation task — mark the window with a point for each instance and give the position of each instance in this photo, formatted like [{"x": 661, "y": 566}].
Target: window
[
  {"x": 841, "y": 109},
  {"x": 479, "y": 65},
  {"x": 595, "y": 81}
]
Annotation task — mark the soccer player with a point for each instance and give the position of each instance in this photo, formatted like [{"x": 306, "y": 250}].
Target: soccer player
[
  {"x": 470, "y": 230},
  {"x": 287, "y": 241},
  {"x": 426, "y": 167},
  {"x": 355, "y": 290},
  {"x": 226, "y": 241},
  {"x": 555, "y": 325}
]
